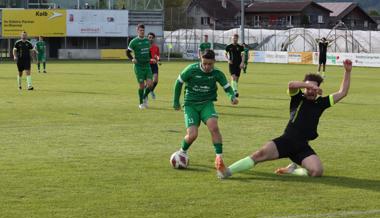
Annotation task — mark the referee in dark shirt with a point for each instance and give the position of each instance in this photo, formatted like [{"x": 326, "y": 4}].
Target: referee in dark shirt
[
  {"x": 235, "y": 56},
  {"x": 322, "y": 44},
  {"x": 22, "y": 54}
]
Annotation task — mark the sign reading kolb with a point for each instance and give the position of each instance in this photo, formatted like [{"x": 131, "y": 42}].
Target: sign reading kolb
[
  {"x": 50, "y": 23},
  {"x": 97, "y": 23}
]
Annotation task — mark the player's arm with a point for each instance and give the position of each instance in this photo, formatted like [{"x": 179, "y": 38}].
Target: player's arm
[
  {"x": 177, "y": 93},
  {"x": 182, "y": 78},
  {"x": 295, "y": 86},
  {"x": 226, "y": 55},
  {"x": 345, "y": 85},
  {"x": 14, "y": 53},
  {"x": 129, "y": 51},
  {"x": 129, "y": 54},
  {"x": 242, "y": 59},
  {"x": 222, "y": 80},
  {"x": 158, "y": 56},
  {"x": 35, "y": 49}
]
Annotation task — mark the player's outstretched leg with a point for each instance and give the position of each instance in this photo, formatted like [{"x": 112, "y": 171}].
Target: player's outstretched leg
[{"x": 267, "y": 152}]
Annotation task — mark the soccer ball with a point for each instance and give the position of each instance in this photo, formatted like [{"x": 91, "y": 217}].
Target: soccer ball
[{"x": 179, "y": 160}]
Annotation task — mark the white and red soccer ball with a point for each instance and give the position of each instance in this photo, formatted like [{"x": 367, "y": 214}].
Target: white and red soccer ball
[{"x": 179, "y": 160}]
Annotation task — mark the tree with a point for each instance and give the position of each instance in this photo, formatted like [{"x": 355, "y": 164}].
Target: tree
[{"x": 373, "y": 13}]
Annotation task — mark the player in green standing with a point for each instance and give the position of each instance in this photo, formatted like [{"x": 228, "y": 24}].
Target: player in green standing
[
  {"x": 246, "y": 57},
  {"x": 140, "y": 46},
  {"x": 40, "y": 47},
  {"x": 203, "y": 46},
  {"x": 200, "y": 81}
]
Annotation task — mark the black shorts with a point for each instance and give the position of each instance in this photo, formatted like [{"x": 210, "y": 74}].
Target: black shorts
[
  {"x": 235, "y": 69},
  {"x": 295, "y": 149},
  {"x": 322, "y": 59},
  {"x": 154, "y": 68},
  {"x": 23, "y": 65}
]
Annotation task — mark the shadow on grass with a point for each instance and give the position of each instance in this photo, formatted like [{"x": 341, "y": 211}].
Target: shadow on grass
[
  {"x": 80, "y": 92},
  {"x": 252, "y": 115},
  {"x": 199, "y": 168},
  {"x": 249, "y": 107},
  {"x": 340, "y": 181},
  {"x": 354, "y": 103}
]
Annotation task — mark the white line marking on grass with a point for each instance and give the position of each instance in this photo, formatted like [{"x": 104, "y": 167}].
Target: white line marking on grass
[{"x": 329, "y": 215}]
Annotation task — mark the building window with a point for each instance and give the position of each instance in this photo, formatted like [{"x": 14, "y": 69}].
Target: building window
[
  {"x": 197, "y": 10},
  {"x": 256, "y": 21},
  {"x": 366, "y": 23},
  {"x": 289, "y": 21},
  {"x": 320, "y": 19},
  {"x": 353, "y": 23},
  {"x": 205, "y": 20}
]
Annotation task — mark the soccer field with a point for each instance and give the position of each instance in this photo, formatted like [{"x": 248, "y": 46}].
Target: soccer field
[{"x": 78, "y": 146}]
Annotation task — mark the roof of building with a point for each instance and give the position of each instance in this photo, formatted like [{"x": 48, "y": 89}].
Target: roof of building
[
  {"x": 338, "y": 8},
  {"x": 257, "y": 7},
  {"x": 342, "y": 9},
  {"x": 215, "y": 9}
]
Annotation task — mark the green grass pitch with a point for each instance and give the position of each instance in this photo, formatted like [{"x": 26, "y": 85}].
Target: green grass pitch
[{"x": 78, "y": 146}]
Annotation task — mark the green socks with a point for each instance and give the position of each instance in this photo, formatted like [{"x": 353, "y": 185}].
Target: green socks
[
  {"x": 141, "y": 94},
  {"x": 218, "y": 148},
  {"x": 300, "y": 172},
  {"x": 242, "y": 165},
  {"x": 185, "y": 145},
  {"x": 29, "y": 81},
  {"x": 146, "y": 92},
  {"x": 234, "y": 85},
  {"x": 19, "y": 81}
]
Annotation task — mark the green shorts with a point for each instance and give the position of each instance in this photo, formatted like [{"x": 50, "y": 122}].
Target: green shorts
[
  {"x": 195, "y": 113},
  {"x": 41, "y": 57},
  {"x": 143, "y": 72}
]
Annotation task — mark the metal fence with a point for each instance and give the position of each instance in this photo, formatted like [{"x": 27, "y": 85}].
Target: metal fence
[{"x": 292, "y": 40}]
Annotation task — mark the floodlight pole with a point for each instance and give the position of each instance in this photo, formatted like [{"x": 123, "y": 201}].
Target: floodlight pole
[{"x": 242, "y": 21}]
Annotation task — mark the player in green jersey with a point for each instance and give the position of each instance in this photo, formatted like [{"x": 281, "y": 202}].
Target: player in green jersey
[
  {"x": 246, "y": 57},
  {"x": 40, "y": 47},
  {"x": 203, "y": 46},
  {"x": 200, "y": 92},
  {"x": 140, "y": 46}
]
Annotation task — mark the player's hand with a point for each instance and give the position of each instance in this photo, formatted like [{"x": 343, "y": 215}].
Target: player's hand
[
  {"x": 229, "y": 62},
  {"x": 154, "y": 61},
  {"x": 177, "y": 106},
  {"x": 134, "y": 61},
  {"x": 235, "y": 101},
  {"x": 159, "y": 62},
  {"x": 242, "y": 66},
  {"x": 15, "y": 58},
  {"x": 347, "y": 65}
]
